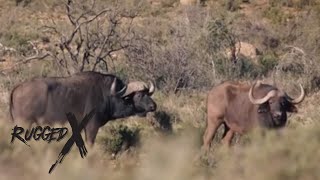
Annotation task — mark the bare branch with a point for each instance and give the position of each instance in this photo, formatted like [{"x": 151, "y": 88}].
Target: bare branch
[
  {"x": 83, "y": 15},
  {"x": 51, "y": 29},
  {"x": 85, "y": 22},
  {"x": 34, "y": 47},
  {"x": 25, "y": 61},
  {"x": 90, "y": 41},
  {"x": 68, "y": 5}
]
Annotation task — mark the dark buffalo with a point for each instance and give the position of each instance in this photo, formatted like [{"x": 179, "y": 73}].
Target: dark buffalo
[
  {"x": 47, "y": 100},
  {"x": 240, "y": 107}
]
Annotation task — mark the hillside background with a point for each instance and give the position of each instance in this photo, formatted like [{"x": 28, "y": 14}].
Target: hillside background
[{"x": 185, "y": 47}]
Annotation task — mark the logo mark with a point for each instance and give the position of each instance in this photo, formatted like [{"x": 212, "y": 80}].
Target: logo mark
[{"x": 75, "y": 138}]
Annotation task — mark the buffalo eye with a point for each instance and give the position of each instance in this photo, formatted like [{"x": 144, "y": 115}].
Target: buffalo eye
[
  {"x": 284, "y": 103},
  {"x": 127, "y": 98},
  {"x": 263, "y": 108},
  {"x": 139, "y": 95}
]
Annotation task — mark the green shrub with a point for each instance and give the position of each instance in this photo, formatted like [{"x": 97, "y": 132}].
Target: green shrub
[
  {"x": 276, "y": 15},
  {"x": 242, "y": 68},
  {"x": 174, "y": 48},
  {"x": 18, "y": 38},
  {"x": 232, "y": 5},
  {"x": 23, "y": 2},
  {"x": 120, "y": 138},
  {"x": 268, "y": 62},
  {"x": 299, "y": 4}
]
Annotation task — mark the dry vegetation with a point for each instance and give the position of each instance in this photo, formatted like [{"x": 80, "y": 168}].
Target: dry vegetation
[{"x": 183, "y": 49}]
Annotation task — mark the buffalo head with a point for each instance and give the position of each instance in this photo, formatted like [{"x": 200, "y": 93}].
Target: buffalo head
[
  {"x": 276, "y": 102},
  {"x": 136, "y": 96}
]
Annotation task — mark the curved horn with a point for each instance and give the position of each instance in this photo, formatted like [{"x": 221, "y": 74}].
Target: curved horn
[
  {"x": 113, "y": 90},
  {"x": 113, "y": 87},
  {"x": 122, "y": 91},
  {"x": 298, "y": 99},
  {"x": 261, "y": 100},
  {"x": 151, "y": 88}
]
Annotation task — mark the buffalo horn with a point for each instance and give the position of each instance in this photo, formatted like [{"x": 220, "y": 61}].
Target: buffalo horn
[
  {"x": 298, "y": 99},
  {"x": 151, "y": 88},
  {"x": 113, "y": 88},
  {"x": 262, "y": 100}
]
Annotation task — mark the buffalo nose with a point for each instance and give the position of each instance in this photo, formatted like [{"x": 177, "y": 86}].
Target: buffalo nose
[
  {"x": 152, "y": 107},
  {"x": 277, "y": 115}
]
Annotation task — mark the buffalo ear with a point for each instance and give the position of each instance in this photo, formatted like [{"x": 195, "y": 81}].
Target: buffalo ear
[
  {"x": 126, "y": 98},
  {"x": 129, "y": 96},
  {"x": 292, "y": 108},
  {"x": 263, "y": 108}
]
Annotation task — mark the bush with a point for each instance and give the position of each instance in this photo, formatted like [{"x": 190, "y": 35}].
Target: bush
[
  {"x": 289, "y": 159},
  {"x": 23, "y": 2},
  {"x": 276, "y": 15},
  {"x": 16, "y": 33},
  {"x": 20, "y": 41},
  {"x": 171, "y": 54},
  {"x": 268, "y": 62},
  {"x": 232, "y": 5},
  {"x": 120, "y": 139},
  {"x": 299, "y": 4}
]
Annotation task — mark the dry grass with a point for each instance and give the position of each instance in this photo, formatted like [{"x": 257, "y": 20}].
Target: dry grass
[
  {"x": 170, "y": 139},
  {"x": 292, "y": 154}
]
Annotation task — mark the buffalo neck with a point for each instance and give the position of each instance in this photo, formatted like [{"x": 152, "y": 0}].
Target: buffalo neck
[{"x": 119, "y": 109}]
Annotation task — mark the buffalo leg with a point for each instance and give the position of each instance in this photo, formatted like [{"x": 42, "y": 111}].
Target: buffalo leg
[
  {"x": 228, "y": 138},
  {"x": 22, "y": 122},
  {"x": 213, "y": 125},
  {"x": 226, "y": 129},
  {"x": 227, "y": 135},
  {"x": 91, "y": 131}
]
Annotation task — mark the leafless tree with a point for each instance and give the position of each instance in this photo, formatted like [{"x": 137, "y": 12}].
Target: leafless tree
[{"x": 92, "y": 38}]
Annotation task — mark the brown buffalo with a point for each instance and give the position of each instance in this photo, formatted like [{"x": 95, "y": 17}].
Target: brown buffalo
[
  {"x": 47, "y": 100},
  {"x": 240, "y": 107}
]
